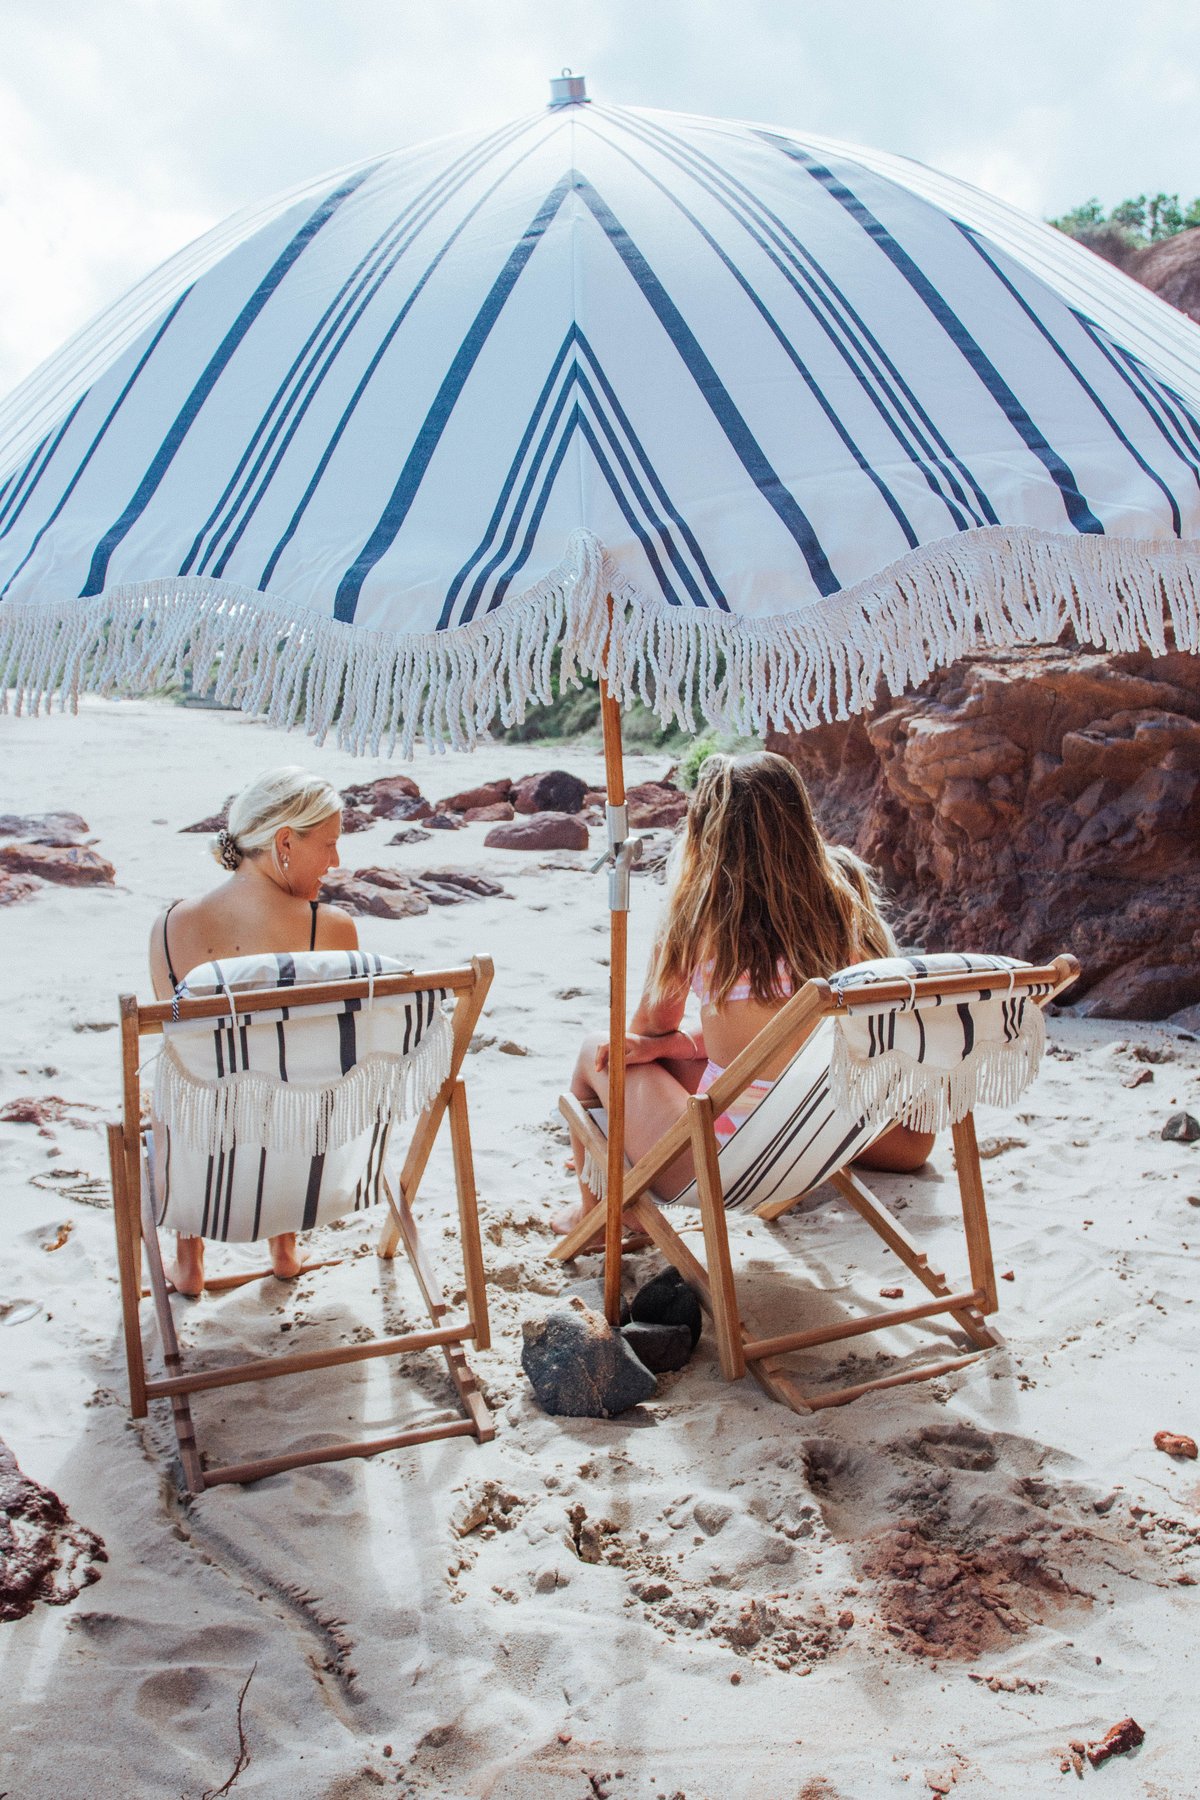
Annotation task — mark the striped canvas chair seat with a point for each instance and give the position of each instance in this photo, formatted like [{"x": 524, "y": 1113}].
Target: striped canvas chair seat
[
  {"x": 859, "y": 1073},
  {"x": 266, "y": 1123}
]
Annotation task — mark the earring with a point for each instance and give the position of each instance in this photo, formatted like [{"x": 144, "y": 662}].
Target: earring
[{"x": 285, "y": 862}]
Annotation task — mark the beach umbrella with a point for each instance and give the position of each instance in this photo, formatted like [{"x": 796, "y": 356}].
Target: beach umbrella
[{"x": 742, "y": 421}]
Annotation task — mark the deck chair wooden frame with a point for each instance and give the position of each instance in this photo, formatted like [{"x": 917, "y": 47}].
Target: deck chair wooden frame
[
  {"x": 968, "y": 1305},
  {"x": 134, "y": 1217}
]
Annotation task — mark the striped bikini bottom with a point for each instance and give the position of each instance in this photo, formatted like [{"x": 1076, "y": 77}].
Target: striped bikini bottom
[{"x": 738, "y": 1110}]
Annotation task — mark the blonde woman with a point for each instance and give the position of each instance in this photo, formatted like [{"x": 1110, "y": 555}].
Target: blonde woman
[
  {"x": 281, "y": 840},
  {"x": 758, "y": 904}
]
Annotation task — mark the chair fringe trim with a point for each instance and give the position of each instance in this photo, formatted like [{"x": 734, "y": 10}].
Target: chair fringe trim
[
  {"x": 381, "y": 691},
  {"x": 894, "y": 1088},
  {"x": 250, "y": 1108},
  {"x": 595, "y": 1175}
]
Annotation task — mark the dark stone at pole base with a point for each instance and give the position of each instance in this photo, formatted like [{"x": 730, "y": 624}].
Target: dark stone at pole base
[
  {"x": 579, "y": 1367},
  {"x": 668, "y": 1300},
  {"x": 663, "y": 1348}
]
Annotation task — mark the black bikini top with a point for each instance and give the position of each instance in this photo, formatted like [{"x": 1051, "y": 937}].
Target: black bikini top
[{"x": 312, "y": 937}]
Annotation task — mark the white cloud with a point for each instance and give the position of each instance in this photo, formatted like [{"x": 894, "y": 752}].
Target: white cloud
[{"x": 128, "y": 126}]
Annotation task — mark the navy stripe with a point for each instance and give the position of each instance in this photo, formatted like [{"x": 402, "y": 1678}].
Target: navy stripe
[
  {"x": 438, "y": 416},
  {"x": 786, "y": 344},
  {"x": 258, "y": 1192},
  {"x": 316, "y": 1170},
  {"x": 578, "y": 422},
  {"x": 224, "y": 1232},
  {"x": 1146, "y": 392},
  {"x": 368, "y": 374},
  {"x": 40, "y": 470},
  {"x": 1077, "y": 509},
  {"x": 98, "y": 573},
  {"x": 166, "y": 1198},
  {"x": 208, "y": 1192},
  {"x": 811, "y": 282},
  {"x": 577, "y": 377},
  {"x": 384, "y": 256},
  {"x": 713, "y": 390},
  {"x": 1089, "y": 390},
  {"x": 967, "y": 1018},
  {"x": 520, "y": 513},
  {"x": 118, "y": 403},
  {"x": 347, "y": 1036}
]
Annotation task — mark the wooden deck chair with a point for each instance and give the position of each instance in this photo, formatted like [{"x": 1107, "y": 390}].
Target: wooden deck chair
[
  {"x": 280, "y": 1083},
  {"x": 920, "y": 1040}
]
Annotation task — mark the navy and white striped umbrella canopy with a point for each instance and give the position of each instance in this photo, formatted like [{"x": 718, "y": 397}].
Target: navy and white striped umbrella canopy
[{"x": 813, "y": 416}]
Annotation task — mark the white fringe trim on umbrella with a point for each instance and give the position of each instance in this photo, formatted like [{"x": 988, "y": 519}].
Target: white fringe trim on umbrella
[
  {"x": 304, "y": 1117},
  {"x": 381, "y": 691},
  {"x": 894, "y": 1087}
]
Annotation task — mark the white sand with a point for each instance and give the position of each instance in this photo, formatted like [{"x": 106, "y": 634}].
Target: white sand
[{"x": 501, "y": 1664}]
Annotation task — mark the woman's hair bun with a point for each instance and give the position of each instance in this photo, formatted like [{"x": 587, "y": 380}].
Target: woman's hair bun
[{"x": 226, "y": 851}]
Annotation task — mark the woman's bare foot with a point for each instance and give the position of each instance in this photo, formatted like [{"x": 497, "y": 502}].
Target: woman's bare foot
[
  {"x": 185, "y": 1270},
  {"x": 284, "y": 1260}
]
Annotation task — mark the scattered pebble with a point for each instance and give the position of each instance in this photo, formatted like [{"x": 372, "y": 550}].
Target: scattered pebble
[
  {"x": 1181, "y": 1128},
  {"x": 1174, "y": 1443}
]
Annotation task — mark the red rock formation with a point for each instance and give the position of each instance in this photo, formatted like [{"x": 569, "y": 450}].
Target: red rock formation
[
  {"x": 1171, "y": 269},
  {"x": 554, "y": 790},
  {"x": 1032, "y": 801},
  {"x": 70, "y": 865},
  {"x": 540, "y": 831},
  {"x": 383, "y": 893},
  {"x": 44, "y": 1554},
  {"x": 487, "y": 794}
]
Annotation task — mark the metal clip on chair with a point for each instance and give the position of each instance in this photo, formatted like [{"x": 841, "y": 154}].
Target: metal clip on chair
[
  {"x": 919, "y": 1040},
  {"x": 280, "y": 1082}
]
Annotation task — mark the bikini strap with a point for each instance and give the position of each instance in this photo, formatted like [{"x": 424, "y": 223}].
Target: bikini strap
[
  {"x": 312, "y": 936},
  {"x": 174, "y": 979}
]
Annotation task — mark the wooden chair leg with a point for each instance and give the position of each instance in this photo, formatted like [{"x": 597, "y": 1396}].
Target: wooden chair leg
[
  {"x": 974, "y": 1209},
  {"x": 716, "y": 1238},
  {"x": 468, "y": 1216},
  {"x": 909, "y": 1251},
  {"x": 461, "y": 1373},
  {"x": 181, "y": 1412},
  {"x": 129, "y": 1269}
]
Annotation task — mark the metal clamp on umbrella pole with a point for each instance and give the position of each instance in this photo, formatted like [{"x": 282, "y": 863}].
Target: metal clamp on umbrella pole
[{"x": 621, "y": 856}]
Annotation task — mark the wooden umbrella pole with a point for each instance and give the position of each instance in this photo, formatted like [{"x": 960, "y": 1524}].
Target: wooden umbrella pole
[{"x": 614, "y": 774}]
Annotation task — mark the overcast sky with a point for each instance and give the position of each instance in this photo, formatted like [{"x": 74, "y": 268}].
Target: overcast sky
[{"x": 127, "y": 127}]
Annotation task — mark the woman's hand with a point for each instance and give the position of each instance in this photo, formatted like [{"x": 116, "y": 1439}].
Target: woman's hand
[{"x": 641, "y": 1047}]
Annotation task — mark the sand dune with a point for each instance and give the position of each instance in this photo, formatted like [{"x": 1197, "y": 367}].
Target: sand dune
[{"x": 934, "y": 1590}]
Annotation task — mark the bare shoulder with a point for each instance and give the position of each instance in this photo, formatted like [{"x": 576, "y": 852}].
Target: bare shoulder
[{"x": 337, "y": 929}]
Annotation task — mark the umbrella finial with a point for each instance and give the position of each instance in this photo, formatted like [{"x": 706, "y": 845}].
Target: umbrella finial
[{"x": 568, "y": 90}]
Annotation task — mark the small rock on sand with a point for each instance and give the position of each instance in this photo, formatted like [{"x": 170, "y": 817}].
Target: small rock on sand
[
  {"x": 1174, "y": 1443},
  {"x": 663, "y": 1348},
  {"x": 358, "y": 895},
  {"x": 17, "y": 887},
  {"x": 540, "y": 831},
  {"x": 44, "y": 1555},
  {"x": 552, "y": 791},
  {"x": 580, "y": 1367},
  {"x": 1181, "y": 1128},
  {"x": 71, "y": 865},
  {"x": 486, "y": 794},
  {"x": 43, "y": 828},
  {"x": 668, "y": 1300},
  {"x": 1125, "y": 1735}
]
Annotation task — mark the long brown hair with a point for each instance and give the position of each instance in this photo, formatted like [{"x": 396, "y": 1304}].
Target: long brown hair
[{"x": 759, "y": 892}]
